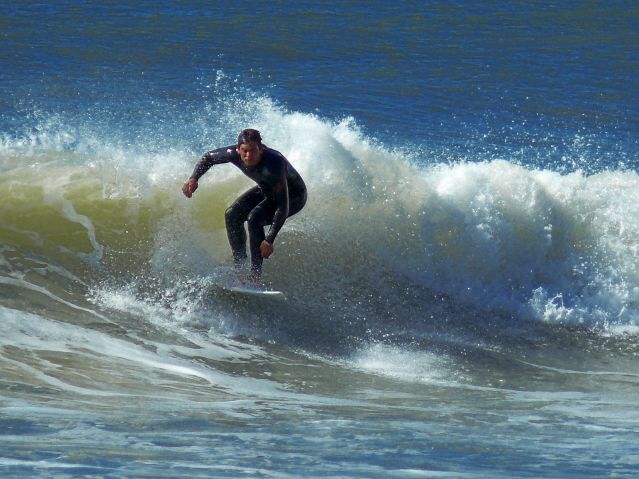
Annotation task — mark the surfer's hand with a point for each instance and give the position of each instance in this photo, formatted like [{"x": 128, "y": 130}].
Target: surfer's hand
[
  {"x": 189, "y": 187},
  {"x": 266, "y": 249}
]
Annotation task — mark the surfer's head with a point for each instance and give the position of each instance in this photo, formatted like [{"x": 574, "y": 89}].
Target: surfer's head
[
  {"x": 249, "y": 146},
  {"x": 249, "y": 135}
]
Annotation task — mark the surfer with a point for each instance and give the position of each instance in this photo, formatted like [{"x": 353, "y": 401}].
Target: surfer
[{"x": 280, "y": 193}]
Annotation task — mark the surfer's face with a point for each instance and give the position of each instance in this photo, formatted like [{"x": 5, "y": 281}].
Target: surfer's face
[{"x": 250, "y": 153}]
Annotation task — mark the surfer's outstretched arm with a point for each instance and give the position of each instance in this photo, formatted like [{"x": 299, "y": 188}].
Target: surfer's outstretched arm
[{"x": 214, "y": 157}]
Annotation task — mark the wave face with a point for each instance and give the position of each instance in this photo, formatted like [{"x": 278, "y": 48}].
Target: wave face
[{"x": 386, "y": 233}]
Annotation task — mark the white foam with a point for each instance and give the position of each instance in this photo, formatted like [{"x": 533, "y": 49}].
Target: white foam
[
  {"x": 32, "y": 332},
  {"x": 22, "y": 283},
  {"x": 402, "y": 364},
  {"x": 496, "y": 235}
]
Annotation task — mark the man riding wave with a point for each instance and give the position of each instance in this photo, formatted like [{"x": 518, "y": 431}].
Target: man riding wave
[{"x": 280, "y": 193}]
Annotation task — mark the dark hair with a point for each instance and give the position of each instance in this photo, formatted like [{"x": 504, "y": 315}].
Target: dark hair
[{"x": 249, "y": 135}]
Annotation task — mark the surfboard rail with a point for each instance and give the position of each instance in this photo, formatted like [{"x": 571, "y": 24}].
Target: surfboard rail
[{"x": 254, "y": 291}]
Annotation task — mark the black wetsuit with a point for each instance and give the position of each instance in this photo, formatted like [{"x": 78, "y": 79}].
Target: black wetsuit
[{"x": 279, "y": 194}]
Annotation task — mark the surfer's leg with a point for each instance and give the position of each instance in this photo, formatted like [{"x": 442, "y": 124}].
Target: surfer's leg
[
  {"x": 235, "y": 216},
  {"x": 259, "y": 217}
]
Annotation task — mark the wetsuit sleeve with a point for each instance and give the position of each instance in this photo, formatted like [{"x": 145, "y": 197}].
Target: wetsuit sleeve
[
  {"x": 280, "y": 195},
  {"x": 214, "y": 157}
]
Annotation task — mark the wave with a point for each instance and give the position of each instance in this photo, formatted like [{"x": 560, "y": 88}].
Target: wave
[{"x": 386, "y": 238}]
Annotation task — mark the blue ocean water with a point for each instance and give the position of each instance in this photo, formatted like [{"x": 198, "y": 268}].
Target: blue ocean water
[{"x": 463, "y": 290}]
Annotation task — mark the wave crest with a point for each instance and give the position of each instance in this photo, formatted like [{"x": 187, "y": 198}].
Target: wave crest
[{"x": 495, "y": 235}]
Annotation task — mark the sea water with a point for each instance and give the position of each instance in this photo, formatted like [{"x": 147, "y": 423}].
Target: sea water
[{"x": 462, "y": 286}]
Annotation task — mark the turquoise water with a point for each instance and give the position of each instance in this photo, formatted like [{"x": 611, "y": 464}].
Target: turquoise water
[{"x": 463, "y": 292}]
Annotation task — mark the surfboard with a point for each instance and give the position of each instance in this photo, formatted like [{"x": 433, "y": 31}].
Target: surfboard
[{"x": 255, "y": 291}]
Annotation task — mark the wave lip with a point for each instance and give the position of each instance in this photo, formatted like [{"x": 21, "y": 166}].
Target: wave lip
[{"x": 495, "y": 235}]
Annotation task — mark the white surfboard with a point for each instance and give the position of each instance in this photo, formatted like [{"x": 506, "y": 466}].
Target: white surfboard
[{"x": 255, "y": 291}]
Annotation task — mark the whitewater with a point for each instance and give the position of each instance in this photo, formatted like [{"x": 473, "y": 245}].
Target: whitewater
[
  {"x": 495, "y": 235},
  {"x": 426, "y": 298}
]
